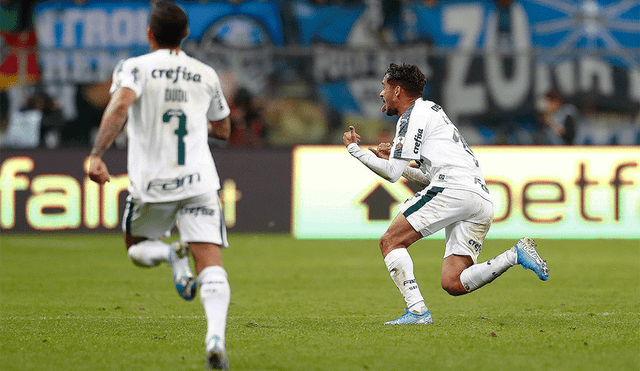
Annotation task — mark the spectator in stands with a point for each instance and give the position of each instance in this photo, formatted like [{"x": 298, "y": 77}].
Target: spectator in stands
[
  {"x": 391, "y": 29},
  {"x": 558, "y": 120},
  {"x": 52, "y": 118},
  {"x": 37, "y": 124},
  {"x": 248, "y": 128},
  {"x": 294, "y": 116},
  {"x": 335, "y": 2},
  {"x": 504, "y": 22},
  {"x": 393, "y": 26},
  {"x": 16, "y": 15},
  {"x": 91, "y": 100},
  {"x": 385, "y": 135}
]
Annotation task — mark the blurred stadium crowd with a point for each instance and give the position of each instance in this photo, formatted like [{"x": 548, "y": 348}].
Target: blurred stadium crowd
[{"x": 305, "y": 76}]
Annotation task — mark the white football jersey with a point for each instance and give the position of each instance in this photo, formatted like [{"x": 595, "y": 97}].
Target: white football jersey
[
  {"x": 168, "y": 152},
  {"x": 425, "y": 134}
]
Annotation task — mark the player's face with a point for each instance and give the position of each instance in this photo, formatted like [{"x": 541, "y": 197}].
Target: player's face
[{"x": 389, "y": 98}]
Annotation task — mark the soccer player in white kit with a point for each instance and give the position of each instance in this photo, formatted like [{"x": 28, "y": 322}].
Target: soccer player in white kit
[
  {"x": 172, "y": 104},
  {"x": 455, "y": 196}
]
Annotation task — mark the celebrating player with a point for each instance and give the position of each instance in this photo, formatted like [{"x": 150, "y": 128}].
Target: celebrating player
[
  {"x": 172, "y": 103},
  {"x": 455, "y": 196}
]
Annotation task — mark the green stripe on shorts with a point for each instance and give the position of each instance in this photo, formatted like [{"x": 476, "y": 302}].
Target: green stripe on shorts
[{"x": 423, "y": 200}]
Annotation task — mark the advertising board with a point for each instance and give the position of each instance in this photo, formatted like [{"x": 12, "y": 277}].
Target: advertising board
[
  {"x": 551, "y": 192},
  {"x": 47, "y": 191},
  {"x": 321, "y": 192}
]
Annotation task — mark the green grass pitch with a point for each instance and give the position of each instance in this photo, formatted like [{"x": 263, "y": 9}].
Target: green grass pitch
[{"x": 75, "y": 302}]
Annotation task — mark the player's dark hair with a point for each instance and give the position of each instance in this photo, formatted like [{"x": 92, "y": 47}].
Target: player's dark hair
[
  {"x": 168, "y": 23},
  {"x": 408, "y": 77}
]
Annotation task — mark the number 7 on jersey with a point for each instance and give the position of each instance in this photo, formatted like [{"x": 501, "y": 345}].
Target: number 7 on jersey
[{"x": 181, "y": 131}]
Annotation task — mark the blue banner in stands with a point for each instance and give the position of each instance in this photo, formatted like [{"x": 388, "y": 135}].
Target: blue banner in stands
[
  {"x": 483, "y": 62},
  {"x": 83, "y": 43}
]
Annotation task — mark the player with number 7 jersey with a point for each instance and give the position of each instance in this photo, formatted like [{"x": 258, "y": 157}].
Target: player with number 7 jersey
[
  {"x": 168, "y": 152},
  {"x": 171, "y": 104}
]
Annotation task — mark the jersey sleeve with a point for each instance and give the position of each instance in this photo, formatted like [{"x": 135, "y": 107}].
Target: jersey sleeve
[
  {"x": 218, "y": 108},
  {"x": 410, "y": 135},
  {"x": 127, "y": 75},
  {"x": 390, "y": 169}
]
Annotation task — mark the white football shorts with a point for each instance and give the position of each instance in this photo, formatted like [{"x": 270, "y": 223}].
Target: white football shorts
[
  {"x": 199, "y": 219},
  {"x": 466, "y": 217}
]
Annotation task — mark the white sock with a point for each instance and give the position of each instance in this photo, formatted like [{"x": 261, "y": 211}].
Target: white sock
[
  {"x": 215, "y": 295},
  {"x": 400, "y": 268},
  {"x": 149, "y": 253},
  {"x": 479, "y": 275}
]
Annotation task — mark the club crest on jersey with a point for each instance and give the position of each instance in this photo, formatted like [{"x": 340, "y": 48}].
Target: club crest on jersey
[
  {"x": 179, "y": 73},
  {"x": 399, "y": 143},
  {"x": 134, "y": 72}
]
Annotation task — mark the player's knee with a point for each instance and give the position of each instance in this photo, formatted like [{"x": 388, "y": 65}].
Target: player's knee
[
  {"x": 382, "y": 243},
  {"x": 386, "y": 245},
  {"x": 453, "y": 287}
]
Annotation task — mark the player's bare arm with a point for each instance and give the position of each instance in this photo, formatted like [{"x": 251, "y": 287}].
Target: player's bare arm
[
  {"x": 113, "y": 120},
  {"x": 220, "y": 129}
]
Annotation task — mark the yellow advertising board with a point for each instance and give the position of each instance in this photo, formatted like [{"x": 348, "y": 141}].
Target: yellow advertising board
[{"x": 549, "y": 192}]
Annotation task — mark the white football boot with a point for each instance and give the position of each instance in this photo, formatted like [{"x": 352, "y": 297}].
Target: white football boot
[
  {"x": 216, "y": 355},
  {"x": 183, "y": 278}
]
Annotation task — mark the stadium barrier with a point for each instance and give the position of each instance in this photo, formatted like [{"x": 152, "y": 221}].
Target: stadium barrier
[
  {"x": 322, "y": 192},
  {"x": 46, "y": 190},
  {"x": 555, "y": 192}
]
